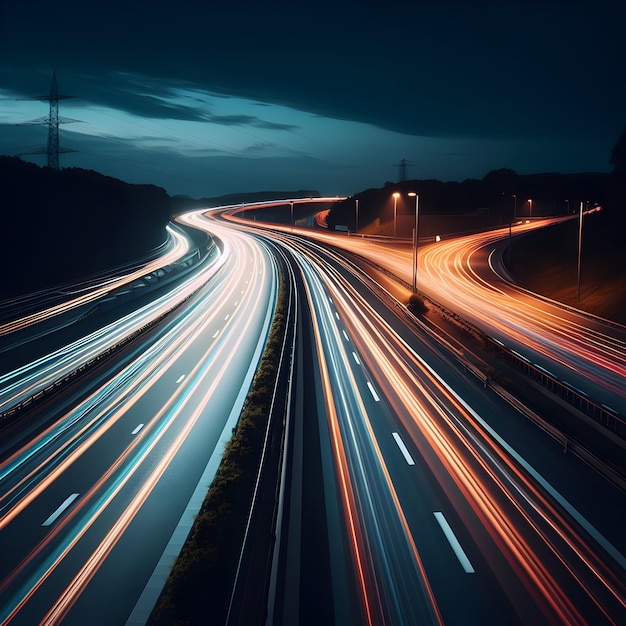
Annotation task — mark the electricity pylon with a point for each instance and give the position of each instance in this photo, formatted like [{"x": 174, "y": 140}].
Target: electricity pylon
[
  {"x": 402, "y": 170},
  {"x": 53, "y": 120}
]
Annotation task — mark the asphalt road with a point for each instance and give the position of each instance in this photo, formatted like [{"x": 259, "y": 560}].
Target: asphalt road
[{"x": 90, "y": 503}]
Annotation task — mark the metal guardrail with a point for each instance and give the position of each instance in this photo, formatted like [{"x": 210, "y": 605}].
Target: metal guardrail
[
  {"x": 601, "y": 413},
  {"x": 191, "y": 260}
]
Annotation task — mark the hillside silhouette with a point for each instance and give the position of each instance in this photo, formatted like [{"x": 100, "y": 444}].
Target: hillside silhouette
[
  {"x": 544, "y": 261},
  {"x": 499, "y": 197},
  {"x": 62, "y": 225}
]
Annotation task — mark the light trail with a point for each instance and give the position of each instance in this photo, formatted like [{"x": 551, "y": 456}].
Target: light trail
[
  {"x": 178, "y": 247},
  {"x": 461, "y": 274},
  {"x": 129, "y": 478},
  {"x": 28, "y": 380},
  {"x": 510, "y": 500}
]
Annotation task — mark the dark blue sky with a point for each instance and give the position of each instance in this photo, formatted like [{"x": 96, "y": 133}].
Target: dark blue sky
[{"x": 211, "y": 98}]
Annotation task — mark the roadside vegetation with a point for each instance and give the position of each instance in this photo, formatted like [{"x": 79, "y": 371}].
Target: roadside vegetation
[
  {"x": 199, "y": 586},
  {"x": 417, "y": 304}
]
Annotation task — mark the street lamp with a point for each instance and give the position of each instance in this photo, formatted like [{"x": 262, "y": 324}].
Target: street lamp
[
  {"x": 530, "y": 205},
  {"x": 580, "y": 245},
  {"x": 511, "y": 225},
  {"x": 356, "y": 227},
  {"x": 415, "y": 237},
  {"x": 291, "y": 212},
  {"x": 396, "y": 195}
]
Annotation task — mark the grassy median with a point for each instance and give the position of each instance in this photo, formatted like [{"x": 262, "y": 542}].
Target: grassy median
[{"x": 199, "y": 586}]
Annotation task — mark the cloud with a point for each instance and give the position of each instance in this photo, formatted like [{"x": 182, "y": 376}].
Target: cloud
[{"x": 247, "y": 120}]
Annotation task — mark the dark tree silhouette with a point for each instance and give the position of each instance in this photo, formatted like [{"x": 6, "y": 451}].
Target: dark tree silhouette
[{"x": 64, "y": 225}]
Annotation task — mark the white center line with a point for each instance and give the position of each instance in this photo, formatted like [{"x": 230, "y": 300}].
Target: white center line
[
  {"x": 407, "y": 457},
  {"x": 373, "y": 391},
  {"x": 60, "y": 510},
  {"x": 454, "y": 542},
  {"x": 356, "y": 358},
  {"x": 336, "y": 315},
  {"x": 345, "y": 334},
  {"x": 215, "y": 334},
  {"x": 227, "y": 316},
  {"x": 180, "y": 379}
]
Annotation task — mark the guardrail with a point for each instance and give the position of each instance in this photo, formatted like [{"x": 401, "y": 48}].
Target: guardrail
[
  {"x": 601, "y": 413},
  {"x": 183, "y": 266},
  {"x": 605, "y": 415}
]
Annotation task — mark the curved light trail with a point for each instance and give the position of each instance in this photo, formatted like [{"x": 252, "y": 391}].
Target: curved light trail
[
  {"x": 178, "y": 246},
  {"x": 508, "y": 499},
  {"x": 438, "y": 511},
  {"x": 465, "y": 275},
  {"x": 116, "y": 448}
]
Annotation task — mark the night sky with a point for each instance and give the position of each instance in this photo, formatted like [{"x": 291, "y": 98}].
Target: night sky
[{"x": 211, "y": 98}]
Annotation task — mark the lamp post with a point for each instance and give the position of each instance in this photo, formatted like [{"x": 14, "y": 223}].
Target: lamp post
[
  {"x": 396, "y": 195},
  {"x": 356, "y": 226},
  {"x": 415, "y": 236},
  {"x": 291, "y": 212},
  {"x": 580, "y": 245},
  {"x": 530, "y": 206},
  {"x": 511, "y": 226}
]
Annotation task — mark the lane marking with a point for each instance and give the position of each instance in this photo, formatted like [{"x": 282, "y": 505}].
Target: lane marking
[
  {"x": 236, "y": 302},
  {"x": 407, "y": 456},
  {"x": 181, "y": 378},
  {"x": 454, "y": 542},
  {"x": 336, "y": 315},
  {"x": 345, "y": 334},
  {"x": 356, "y": 358},
  {"x": 60, "y": 510},
  {"x": 217, "y": 332},
  {"x": 374, "y": 394},
  {"x": 226, "y": 318},
  {"x": 139, "y": 427}
]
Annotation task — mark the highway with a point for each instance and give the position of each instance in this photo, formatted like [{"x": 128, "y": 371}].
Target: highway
[
  {"x": 421, "y": 455},
  {"x": 412, "y": 493},
  {"x": 90, "y": 499},
  {"x": 466, "y": 275}
]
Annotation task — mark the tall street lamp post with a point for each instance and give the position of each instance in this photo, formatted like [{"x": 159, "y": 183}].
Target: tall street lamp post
[
  {"x": 415, "y": 238},
  {"x": 396, "y": 195},
  {"x": 530, "y": 206},
  {"x": 580, "y": 245},
  {"x": 511, "y": 226},
  {"x": 356, "y": 226}
]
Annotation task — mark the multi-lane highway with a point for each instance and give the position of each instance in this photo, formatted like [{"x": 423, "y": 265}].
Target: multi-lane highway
[
  {"x": 94, "y": 485},
  {"x": 412, "y": 494},
  {"x": 466, "y": 275},
  {"x": 445, "y": 504}
]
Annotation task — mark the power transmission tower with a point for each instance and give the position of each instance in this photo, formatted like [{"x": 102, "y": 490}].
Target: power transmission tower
[
  {"x": 53, "y": 120},
  {"x": 402, "y": 169}
]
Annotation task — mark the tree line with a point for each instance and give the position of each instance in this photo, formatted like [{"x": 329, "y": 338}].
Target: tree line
[{"x": 62, "y": 225}]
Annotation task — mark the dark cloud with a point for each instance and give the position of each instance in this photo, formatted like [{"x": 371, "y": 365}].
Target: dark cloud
[
  {"x": 511, "y": 71},
  {"x": 247, "y": 120},
  {"x": 435, "y": 68}
]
